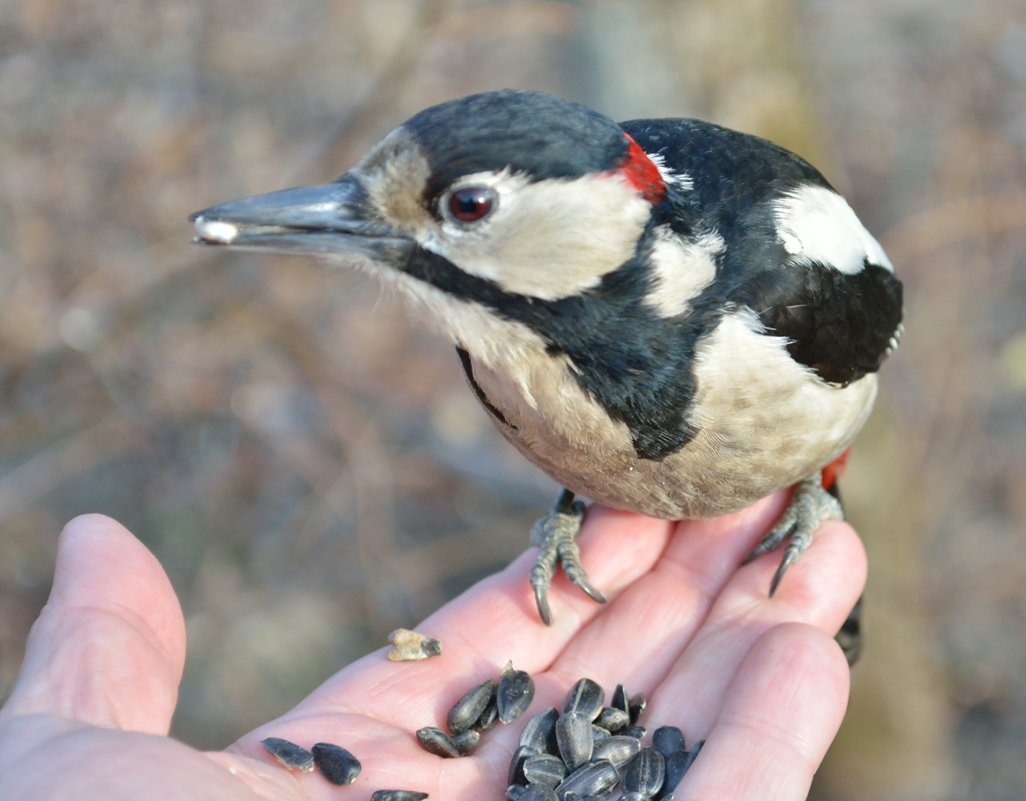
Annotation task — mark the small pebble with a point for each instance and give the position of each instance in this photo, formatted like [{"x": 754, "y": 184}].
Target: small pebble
[
  {"x": 336, "y": 764},
  {"x": 411, "y": 646},
  {"x": 292, "y": 756}
]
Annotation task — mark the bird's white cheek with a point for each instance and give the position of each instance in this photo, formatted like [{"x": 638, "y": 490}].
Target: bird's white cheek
[{"x": 551, "y": 239}]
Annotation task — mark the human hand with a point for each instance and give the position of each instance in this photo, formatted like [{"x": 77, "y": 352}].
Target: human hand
[{"x": 760, "y": 679}]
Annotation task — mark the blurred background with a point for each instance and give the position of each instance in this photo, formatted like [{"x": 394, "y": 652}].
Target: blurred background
[{"x": 313, "y": 472}]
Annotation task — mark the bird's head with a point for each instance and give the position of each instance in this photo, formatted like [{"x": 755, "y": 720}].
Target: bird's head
[{"x": 495, "y": 195}]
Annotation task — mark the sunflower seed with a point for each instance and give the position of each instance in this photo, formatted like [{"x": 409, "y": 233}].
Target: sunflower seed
[
  {"x": 437, "y": 742},
  {"x": 538, "y": 792},
  {"x": 539, "y": 733},
  {"x": 644, "y": 774},
  {"x": 516, "y": 791},
  {"x": 632, "y": 797},
  {"x": 634, "y": 731},
  {"x": 677, "y": 765},
  {"x": 467, "y": 741},
  {"x": 398, "y": 795},
  {"x": 544, "y": 769},
  {"x": 336, "y": 764},
  {"x": 585, "y": 697},
  {"x": 488, "y": 718},
  {"x": 598, "y": 733},
  {"x": 668, "y": 739},
  {"x": 618, "y": 749},
  {"x": 591, "y": 779},
  {"x": 636, "y": 707},
  {"x": 411, "y": 646},
  {"x": 619, "y": 699},
  {"x": 469, "y": 708},
  {"x": 514, "y": 693},
  {"x": 574, "y": 738},
  {"x": 516, "y": 765},
  {"x": 613, "y": 720},
  {"x": 292, "y": 756}
]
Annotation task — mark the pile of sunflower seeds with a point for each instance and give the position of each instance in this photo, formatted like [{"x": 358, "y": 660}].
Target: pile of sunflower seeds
[
  {"x": 592, "y": 752},
  {"x": 586, "y": 751}
]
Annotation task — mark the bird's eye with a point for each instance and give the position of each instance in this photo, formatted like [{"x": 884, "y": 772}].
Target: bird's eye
[{"x": 471, "y": 203}]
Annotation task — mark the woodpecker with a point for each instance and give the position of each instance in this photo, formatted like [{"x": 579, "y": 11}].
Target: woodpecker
[{"x": 665, "y": 315}]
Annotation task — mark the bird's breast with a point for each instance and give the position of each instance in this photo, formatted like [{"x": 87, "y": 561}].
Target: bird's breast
[{"x": 763, "y": 422}]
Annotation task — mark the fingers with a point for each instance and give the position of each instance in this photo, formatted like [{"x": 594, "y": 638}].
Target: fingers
[
  {"x": 781, "y": 712},
  {"x": 109, "y": 647},
  {"x": 820, "y": 591},
  {"x": 494, "y": 622},
  {"x": 642, "y": 631}
]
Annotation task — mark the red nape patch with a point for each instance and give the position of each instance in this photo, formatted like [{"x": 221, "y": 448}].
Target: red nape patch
[
  {"x": 832, "y": 472},
  {"x": 642, "y": 173}
]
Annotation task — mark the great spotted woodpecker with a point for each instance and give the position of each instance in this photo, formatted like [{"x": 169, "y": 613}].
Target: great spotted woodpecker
[{"x": 665, "y": 315}]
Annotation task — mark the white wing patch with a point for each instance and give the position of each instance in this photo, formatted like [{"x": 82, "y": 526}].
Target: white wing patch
[
  {"x": 815, "y": 224},
  {"x": 681, "y": 271}
]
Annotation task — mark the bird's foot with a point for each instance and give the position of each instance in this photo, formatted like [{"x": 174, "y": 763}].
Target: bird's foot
[
  {"x": 810, "y": 506},
  {"x": 555, "y": 535}
]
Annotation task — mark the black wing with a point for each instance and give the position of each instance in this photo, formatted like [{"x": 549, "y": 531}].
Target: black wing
[{"x": 840, "y": 324}]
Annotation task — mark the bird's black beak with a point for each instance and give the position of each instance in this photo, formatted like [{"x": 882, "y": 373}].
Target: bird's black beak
[{"x": 331, "y": 219}]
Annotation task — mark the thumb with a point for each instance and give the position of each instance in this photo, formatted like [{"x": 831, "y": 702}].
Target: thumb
[{"x": 109, "y": 646}]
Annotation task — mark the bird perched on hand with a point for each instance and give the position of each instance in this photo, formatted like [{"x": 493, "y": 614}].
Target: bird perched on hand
[{"x": 665, "y": 315}]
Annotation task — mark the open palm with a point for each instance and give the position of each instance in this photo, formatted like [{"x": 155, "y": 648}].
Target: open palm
[{"x": 760, "y": 679}]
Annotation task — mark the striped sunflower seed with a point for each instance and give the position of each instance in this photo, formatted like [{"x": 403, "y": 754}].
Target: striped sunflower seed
[
  {"x": 586, "y": 697},
  {"x": 544, "y": 769},
  {"x": 574, "y": 738},
  {"x": 292, "y": 756},
  {"x": 645, "y": 773}
]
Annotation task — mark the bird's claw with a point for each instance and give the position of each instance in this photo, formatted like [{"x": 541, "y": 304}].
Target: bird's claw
[
  {"x": 811, "y": 505},
  {"x": 555, "y": 536}
]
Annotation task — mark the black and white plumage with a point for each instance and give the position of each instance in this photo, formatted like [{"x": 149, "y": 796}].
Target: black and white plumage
[{"x": 665, "y": 315}]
